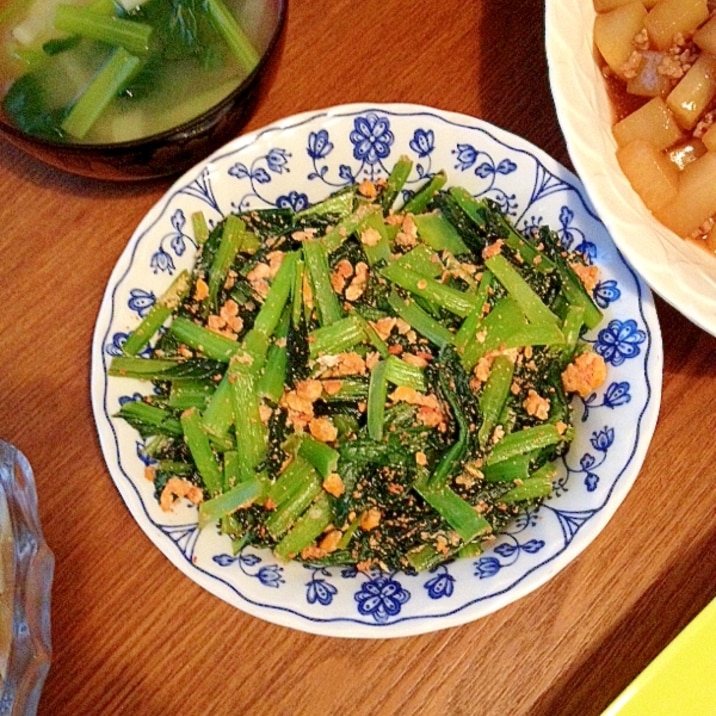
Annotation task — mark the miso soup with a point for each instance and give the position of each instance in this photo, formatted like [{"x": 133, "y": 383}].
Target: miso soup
[{"x": 100, "y": 71}]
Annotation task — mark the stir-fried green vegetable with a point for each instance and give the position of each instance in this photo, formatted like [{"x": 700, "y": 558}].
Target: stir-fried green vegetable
[{"x": 364, "y": 384}]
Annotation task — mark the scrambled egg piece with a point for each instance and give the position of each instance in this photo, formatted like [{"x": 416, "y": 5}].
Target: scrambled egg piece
[
  {"x": 584, "y": 374},
  {"x": 175, "y": 488}
]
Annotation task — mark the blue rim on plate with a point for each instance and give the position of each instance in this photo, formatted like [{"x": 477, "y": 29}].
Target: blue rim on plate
[{"x": 299, "y": 160}]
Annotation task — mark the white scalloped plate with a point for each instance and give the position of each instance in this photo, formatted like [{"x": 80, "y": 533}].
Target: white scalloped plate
[
  {"x": 301, "y": 159},
  {"x": 681, "y": 273}
]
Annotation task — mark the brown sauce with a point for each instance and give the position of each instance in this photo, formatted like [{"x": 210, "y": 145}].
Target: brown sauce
[
  {"x": 624, "y": 103},
  {"x": 621, "y": 101}
]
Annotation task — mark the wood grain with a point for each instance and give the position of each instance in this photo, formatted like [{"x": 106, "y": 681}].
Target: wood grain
[{"x": 133, "y": 636}]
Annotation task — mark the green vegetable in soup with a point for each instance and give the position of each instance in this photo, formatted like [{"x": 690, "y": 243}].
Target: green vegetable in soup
[
  {"x": 101, "y": 73},
  {"x": 386, "y": 393}
]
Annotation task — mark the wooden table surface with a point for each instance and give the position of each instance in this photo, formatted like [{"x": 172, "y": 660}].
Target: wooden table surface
[{"x": 132, "y": 635}]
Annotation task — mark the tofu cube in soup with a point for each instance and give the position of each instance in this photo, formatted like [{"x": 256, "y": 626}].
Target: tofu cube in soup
[
  {"x": 695, "y": 201},
  {"x": 686, "y": 152},
  {"x": 653, "y": 121},
  {"x": 650, "y": 172},
  {"x": 705, "y": 36},
  {"x": 669, "y": 18},
  {"x": 690, "y": 98},
  {"x": 614, "y": 33}
]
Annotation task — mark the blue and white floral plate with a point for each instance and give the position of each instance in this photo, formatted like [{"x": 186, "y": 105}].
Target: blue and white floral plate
[{"x": 300, "y": 160}]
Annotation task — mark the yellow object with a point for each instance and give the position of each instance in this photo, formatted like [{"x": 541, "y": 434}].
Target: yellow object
[{"x": 682, "y": 678}]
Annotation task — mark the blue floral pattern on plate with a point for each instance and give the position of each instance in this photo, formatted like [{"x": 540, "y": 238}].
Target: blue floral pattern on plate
[{"x": 299, "y": 161}]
